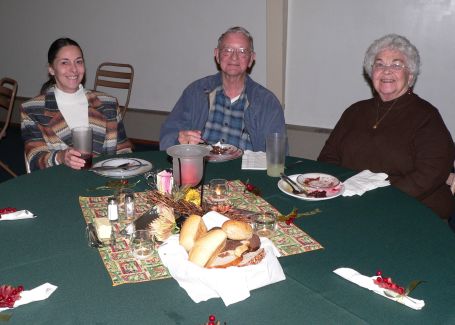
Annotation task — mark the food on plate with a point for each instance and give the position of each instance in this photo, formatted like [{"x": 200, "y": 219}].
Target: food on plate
[
  {"x": 252, "y": 258},
  {"x": 218, "y": 150},
  {"x": 229, "y": 245},
  {"x": 317, "y": 194},
  {"x": 236, "y": 252},
  {"x": 207, "y": 247},
  {"x": 192, "y": 229},
  {"x": 229, "y": 258},
  {"x": 237, "y": 230}
]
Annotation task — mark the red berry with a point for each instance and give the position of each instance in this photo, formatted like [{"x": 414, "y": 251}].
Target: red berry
[
  {"x": 249, "y": 187},
  {"x": 401, "y": 290},
  {"x": 379, "y": 273},
  {"x": 212, "y": 318},
  {"x": 9, "y": 300},
  {"x": 20, "y": 288},
  {"x": 379, "y": 279}
]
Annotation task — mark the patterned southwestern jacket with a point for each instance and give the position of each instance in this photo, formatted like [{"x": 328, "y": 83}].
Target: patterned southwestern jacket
[{"x": 45, "y": 131}]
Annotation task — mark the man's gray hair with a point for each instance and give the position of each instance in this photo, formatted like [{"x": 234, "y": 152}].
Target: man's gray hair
[{"x": 237, "y": 29}]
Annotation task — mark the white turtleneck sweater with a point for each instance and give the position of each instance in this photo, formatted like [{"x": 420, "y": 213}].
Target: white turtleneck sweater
[{"x": 74, "y": 107}]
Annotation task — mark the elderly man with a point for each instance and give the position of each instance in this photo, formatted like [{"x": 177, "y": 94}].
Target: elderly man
[{"x": 228, "y": 107}]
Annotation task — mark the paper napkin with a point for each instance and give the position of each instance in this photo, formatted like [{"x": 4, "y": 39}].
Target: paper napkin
[
  {"x": 39, "y": 293},
  {"x": 255, "y": 160},
  {"x": 22, "y": 214},
  {"x": 363, "y": 182},
  {"x": 232, "y": 284},
  {"x": 367, "y": 283}
]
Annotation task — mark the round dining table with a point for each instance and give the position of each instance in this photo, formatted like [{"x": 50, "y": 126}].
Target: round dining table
[{"x": 382, "y": 229}]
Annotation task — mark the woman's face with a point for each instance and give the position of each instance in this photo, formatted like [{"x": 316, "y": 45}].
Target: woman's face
[
  {"x": 391, "y": 82},
  {"x": 68, "y": 68}
]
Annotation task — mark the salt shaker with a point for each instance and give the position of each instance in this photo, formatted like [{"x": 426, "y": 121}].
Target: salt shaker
[
  {"x": 112, "y": 209},
  {"x": 129, "y": 206}
]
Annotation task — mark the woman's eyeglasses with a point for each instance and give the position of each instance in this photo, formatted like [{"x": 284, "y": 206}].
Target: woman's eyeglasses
[{"x": 394, "y": 66}]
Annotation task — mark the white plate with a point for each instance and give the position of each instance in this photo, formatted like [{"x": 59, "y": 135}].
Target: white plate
[
  {"x": 331, "y": 193},
  {"x": 232, "y": 152},
  {"x": 318, "y": 181},
  {"x": 142, "y": 167}
]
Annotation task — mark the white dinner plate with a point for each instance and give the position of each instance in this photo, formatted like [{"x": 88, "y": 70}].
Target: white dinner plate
[
  {"x": 137, "y": 167},
  {"x": 331, "y": 193},
  {"x": 318, "y": 181},
  {"x": 232, "y": 152}
]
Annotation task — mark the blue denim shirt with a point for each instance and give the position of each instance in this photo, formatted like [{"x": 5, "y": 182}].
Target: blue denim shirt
[{"x": 263, "y": 116}]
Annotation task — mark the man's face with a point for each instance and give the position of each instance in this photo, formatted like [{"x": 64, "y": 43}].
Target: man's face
[{"x": 235, "y": 55}]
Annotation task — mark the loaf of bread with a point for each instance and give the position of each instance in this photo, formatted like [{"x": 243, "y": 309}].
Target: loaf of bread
[
  {"x": 237, "y": 230},
  {"x": 207, "y": 247},
  {"x": 192, "y": 229}
]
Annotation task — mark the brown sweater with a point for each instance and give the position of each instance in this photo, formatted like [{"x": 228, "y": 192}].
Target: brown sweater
[{"x": 411, "y": 144}]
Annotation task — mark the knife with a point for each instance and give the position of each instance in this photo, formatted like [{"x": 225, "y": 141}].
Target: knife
[{"x": 293, "y": 184}]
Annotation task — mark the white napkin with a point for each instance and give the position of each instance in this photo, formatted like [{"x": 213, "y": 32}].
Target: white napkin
[
  {"x": 364, "y": 181},
  {"x": 232, "y": 284},
  {"x": 39, "y": 293},
  {"x": 22, "y": 214},
  {"x": 255, "y": 160},
  {"x": 367, "y": 283}
]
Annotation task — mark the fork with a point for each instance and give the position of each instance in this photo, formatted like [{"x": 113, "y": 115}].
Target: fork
[{"x": 296, "y": 189}]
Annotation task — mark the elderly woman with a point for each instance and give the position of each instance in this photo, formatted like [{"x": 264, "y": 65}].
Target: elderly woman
[
  {"x": 396, "y": 131},
  {"x": 64, "y": 104}
]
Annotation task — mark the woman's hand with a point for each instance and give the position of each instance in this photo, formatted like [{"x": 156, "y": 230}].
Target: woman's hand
[
  {"x": 190, "y": 137},
  {"x": 71, "y": 158}
]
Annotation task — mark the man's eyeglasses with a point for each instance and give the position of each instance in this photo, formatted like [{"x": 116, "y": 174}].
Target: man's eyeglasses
[
  {"x": 241, "y": 52},
  {"x": 394, "y": 66}
]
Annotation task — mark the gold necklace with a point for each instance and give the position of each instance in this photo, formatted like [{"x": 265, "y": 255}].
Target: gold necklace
[{"x": 379, "y": 120}]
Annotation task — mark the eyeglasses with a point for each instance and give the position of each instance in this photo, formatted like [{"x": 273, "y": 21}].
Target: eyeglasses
[
  {"x": 241, "y": 52},
  {"x": 394, "y": 66}
]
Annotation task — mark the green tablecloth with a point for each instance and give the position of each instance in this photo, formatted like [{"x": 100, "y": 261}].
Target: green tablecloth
[{"x": 383, "y": 229}]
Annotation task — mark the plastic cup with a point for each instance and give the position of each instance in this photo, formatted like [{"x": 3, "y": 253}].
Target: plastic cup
[
  {"x": 82, "y": 142},
  {"x": 275, "y": 153}
]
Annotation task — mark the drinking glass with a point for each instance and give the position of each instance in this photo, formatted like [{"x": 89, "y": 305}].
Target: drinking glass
[
  {"x": 82, "y": 142},
  {"x": 142, "y": 244},
  {"x": 218, "y": 189},
  {"x": 275, "y": 153},
  {"x": 264, "y": 225}
]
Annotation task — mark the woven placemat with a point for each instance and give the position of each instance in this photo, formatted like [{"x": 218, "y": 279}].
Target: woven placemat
[{"x": 123, "y": 267}]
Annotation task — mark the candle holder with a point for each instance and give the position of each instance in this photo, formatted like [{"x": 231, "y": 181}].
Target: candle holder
[
  {"x": 188, "y": 163},
  {"x": 218, "y": 190}
]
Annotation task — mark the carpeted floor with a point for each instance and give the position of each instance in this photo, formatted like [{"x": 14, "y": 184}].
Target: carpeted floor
[{"x": 12, "y": 151}]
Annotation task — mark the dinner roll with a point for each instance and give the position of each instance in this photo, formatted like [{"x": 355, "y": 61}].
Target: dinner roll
[
  {"x": 207, "y": 247},
  {"x": 237, "y": 230},
  {"x": 193, "y": 228}
]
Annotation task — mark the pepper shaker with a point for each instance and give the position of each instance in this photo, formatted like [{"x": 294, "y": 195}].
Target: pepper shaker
[{"x": 129, "y": 206}]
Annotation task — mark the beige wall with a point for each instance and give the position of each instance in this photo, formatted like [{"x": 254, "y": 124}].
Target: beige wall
[{"x": 304, "y": 141}]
